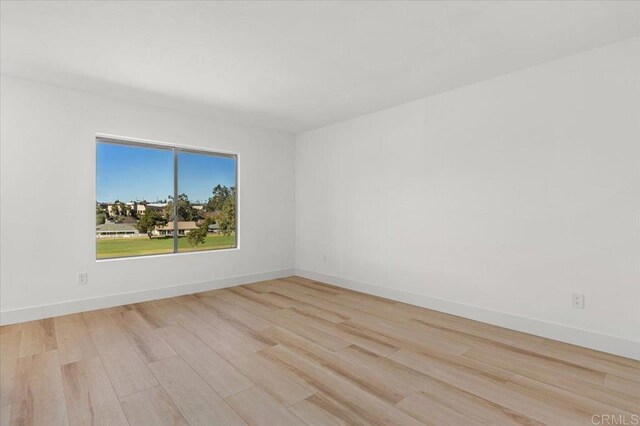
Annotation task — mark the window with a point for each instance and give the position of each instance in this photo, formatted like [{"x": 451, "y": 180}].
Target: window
[{"x": 155, "y": 199}]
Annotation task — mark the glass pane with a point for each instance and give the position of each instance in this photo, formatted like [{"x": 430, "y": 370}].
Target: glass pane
[
  {"x": 206, "y": 202},
  {"x": 133, "y": 186}
]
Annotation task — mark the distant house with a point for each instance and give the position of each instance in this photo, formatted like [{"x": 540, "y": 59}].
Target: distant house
[
  {"x": 156, "y": 206},
  {"x": 167, "y": 230},
  {"x": 214, "y": 228},
  {"x": 109, "y": 208},
  {"x": 116, "y": 230},
  {"x": 105, "y": 206},
  {"x": 137, "y": 208},
  {"x": 134, "y": 207}
]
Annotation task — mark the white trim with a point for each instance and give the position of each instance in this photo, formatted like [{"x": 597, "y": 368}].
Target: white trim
[
  {"x": 152, "y": 256},
  {"x": 82, "y": 305},
  {"x": 162, "y": 144},
  {"x": 576, "y": 336},
  {"x": 173, "y": 146}
]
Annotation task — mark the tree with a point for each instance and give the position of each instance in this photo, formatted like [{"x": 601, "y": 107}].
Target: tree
[
  {"x": 101, "y": 215},
  {"x": 198, "y": 235},
  {"x": 115, "y": 209},
  {"x": 185, "y": 209},
  {"x": 149, "y": 221},
  {"x": 220, "y": 195},
  {"x": 119, "y": 211},
  {"x": 226, "y": 218}
]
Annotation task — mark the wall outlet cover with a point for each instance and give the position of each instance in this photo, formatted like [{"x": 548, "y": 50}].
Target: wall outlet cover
[
  {"x": 82, "y": 278},
  {"x": 577, "y": 300}
]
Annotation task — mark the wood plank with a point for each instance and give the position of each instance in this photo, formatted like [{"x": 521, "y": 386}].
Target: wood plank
[
  {"x": 125, "y": 367},
  {"x": 5, "y": 415},
  {"x": 457, "y": 397},
  {"x": 89, "y": 395},
  {"x": 377, "y": 307},
  {"x": 318, "y": 410},
  {"x": 237, "y": 330},
  {"x": 301, "y": 296},
  {"x": 181, "y": 299},
  {"x": 344, "y": 333},
  {"x": 39, "y": 396},
  {"x": 212, "y": 368},
  {"x": 371, "y": 340},
  {"x": 606, "y": 363},
  {"x": 98, "y": 318},
  {"x": 441, "y": 403},
  {"x": 9, "y": 349},
  {"x": 407, "y": 337},
  {"x": 577, "y": 351},
  {"x": 143, "y": 337},
  {"x": 197, "y": 401},
  {"x": 476, "y": 328},
  {"x": 73, "y": 340},
  {"x": 155, "y": 314},
  {"x": 117, "y": 309},
  {"x": 275, "y": 302},
  {"x": 235, "y": 314},
  {"x": 263, "y": 286},
  {"x": 344, "y": 309},
  {"x": 489, "y": 388},
  {"x": 386, "y": 383},
  {"x": 620, "y": 384},
  {"x": 152, "y": 407},
  {"x": 257, "y": 408},
  {"x": 301, "y": 326},
  {"x": 358, "y": 402},
  {"x": 430, "y": 411},
  {"x": 535, "y": 367},
  {"x": 565, "y": 398},
  {"x": 532, "y": 351},
  {"x": 253, "y": 304},
  {"x": 555, "y": 376},
  {"x": 280, "y": 383},
  {"x": 11, "y": 328},
  {"x": 323, "y": 288},
  {"x": 38, "y": 336}
]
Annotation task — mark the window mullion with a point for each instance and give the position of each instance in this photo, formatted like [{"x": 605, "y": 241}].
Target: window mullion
[{"x": 175, "y": 200}]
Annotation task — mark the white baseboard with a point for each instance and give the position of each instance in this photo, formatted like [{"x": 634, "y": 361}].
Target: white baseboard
[
  {"x": 576, "y": 336},
  {"x": 73, "y": 306}
]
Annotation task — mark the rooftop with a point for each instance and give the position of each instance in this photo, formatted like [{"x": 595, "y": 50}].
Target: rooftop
[
  {"x": 181, "y": 226},
  {"x": 114, "y": 227}
]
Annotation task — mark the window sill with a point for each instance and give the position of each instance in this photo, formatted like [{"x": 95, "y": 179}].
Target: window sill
[{"x": 153, "y": 256}]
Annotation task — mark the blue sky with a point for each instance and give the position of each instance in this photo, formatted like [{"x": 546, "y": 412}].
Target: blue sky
[{"x": 130, "y": 173}]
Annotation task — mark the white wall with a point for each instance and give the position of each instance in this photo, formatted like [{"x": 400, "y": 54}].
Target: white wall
[
  {"x": 47, "y": 212},
  {"x": 495, "y": 201}
]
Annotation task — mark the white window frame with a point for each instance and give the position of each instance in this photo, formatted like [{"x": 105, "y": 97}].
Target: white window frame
[{"x": 175, "y": 149}]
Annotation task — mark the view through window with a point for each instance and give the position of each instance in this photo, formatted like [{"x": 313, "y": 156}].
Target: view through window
[{"x": 153, "y": 199}]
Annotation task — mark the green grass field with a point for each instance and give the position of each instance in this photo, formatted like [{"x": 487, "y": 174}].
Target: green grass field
[{"x": 123, "y": 247}]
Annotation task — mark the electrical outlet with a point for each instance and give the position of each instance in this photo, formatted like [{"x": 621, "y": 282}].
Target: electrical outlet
[
  {"x": 82, "y": 278},
  {"x": 577, "y": 301}
]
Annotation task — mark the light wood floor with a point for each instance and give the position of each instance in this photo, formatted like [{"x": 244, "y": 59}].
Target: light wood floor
[{"x": 294, "y": 351}]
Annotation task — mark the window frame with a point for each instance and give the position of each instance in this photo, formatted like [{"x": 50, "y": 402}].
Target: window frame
[{"x": 175, "y": 149}]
